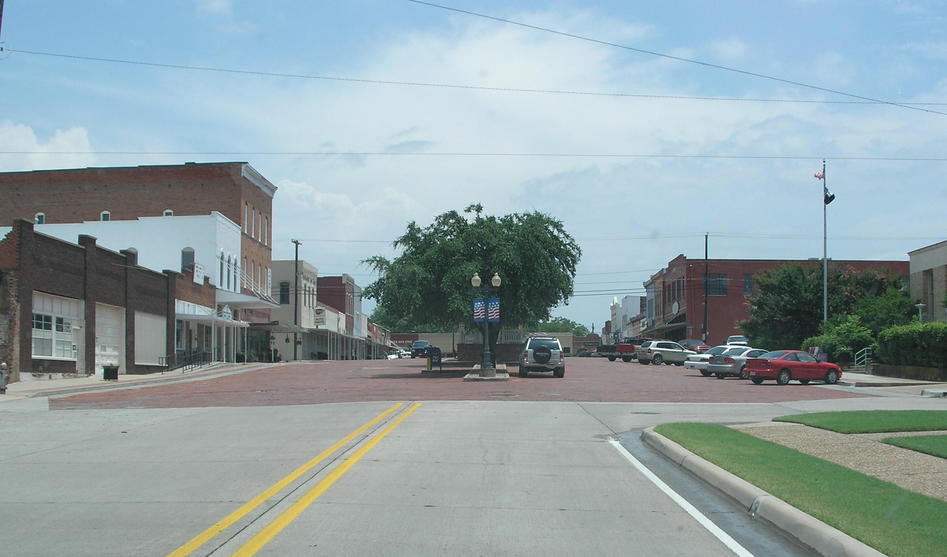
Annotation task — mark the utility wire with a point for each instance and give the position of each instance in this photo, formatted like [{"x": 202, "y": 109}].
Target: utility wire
[
  {"x": 489, "y": 154},
  {"x": 404, "y": 83},
  {"x": 672, "y": 57}
]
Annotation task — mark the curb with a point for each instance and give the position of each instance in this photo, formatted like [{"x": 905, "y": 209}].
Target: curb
[
  {"x": 135, "y": 384},
  {"x": 807, "y": 530}
]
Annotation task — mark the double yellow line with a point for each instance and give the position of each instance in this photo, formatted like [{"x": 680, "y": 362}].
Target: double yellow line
[{"x": 290, "y": 514}]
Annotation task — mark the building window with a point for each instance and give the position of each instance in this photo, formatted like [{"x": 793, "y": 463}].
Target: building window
[
  {"x": 717, "y": 285},
  {"x": 259, "y": 227},
  {"x": 168, "y": 213},
  {"x": 243, "y": 272},
  {"x": 252, "y": 223},
  {"x": 40, "y": 218},
  {"x": 229, "y": 267},
  {"x": 220, "y": 276},
  {"x": 246, "y": 218},
  {"x": 187, "y": 259},
  {"x": 266, "y": 230},
  {"x": 284, "y": 292},
  {"x": 105, "y": 216},
  {"x": 52, "y": 337},
  {"x": 747, "y": 285}
]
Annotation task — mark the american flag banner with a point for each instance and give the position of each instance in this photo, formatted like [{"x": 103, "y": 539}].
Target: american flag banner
[
  {"x": 493, "y": 310},
  {"x": 479, "y": 310}
]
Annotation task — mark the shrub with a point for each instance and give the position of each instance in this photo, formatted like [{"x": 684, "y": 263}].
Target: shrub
[
  {"x": 914, "y": 345},
  {"x": 842, "y": 339}
]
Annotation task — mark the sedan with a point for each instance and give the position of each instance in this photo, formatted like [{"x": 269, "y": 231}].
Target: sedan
[
  {"x": 700, "y": 361},
  {"x": 662, "y": 351},
  {"x": 733, "y": 361},
  {"x": 786, "y": 365},
  {"x": 698, "y": 346}
]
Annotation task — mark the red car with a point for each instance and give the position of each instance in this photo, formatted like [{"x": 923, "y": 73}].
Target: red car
[
  {"x": 698, "y": 346},
  {"x": 786, "y": 365}
]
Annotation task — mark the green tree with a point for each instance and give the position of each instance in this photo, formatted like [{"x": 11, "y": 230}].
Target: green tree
[
  {"x": 787, "y": 306},
  {"x": 842, "y": 338},
  {"x": 429, "y": 283},
  {"x": 561, "y": 325}
]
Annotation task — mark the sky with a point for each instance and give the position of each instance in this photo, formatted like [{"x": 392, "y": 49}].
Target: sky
[{"x": 650, "y": 168}]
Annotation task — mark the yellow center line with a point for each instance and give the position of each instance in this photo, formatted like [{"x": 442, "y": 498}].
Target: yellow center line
[
  {"x": 246, "y": 508},
  {"x": 282, "y": 521}
]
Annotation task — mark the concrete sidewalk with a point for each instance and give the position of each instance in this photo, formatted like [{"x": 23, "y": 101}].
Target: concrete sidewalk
[
  {"x": 855, "y": 379},
  {"x": 50, "y": 387}
]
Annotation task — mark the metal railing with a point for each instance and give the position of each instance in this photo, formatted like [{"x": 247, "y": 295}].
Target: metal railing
[
  {"x": 863, "y": 358},
  {"x": 189, "y": 360}
]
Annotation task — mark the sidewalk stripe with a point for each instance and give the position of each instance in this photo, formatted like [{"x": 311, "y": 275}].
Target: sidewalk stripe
[
  {"x": 245, "y": 509},
  {"x": 724, "y": 537},
  {"x": 289, "y": 515}
]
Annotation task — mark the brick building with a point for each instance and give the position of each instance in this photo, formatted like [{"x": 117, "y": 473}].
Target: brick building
[
  {"x": 675, "y": 295},
  {"x": 929, "y": 280},
  {"x": 74, "y": 308}
]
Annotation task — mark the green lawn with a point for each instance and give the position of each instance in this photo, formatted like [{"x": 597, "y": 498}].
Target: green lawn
[
  {"x": 890, "y": 519},
  {"x": 931, "y": 444},
  {"x": 873, "y": 421}
]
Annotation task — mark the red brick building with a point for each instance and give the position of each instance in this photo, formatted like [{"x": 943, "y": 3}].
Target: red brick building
[
  {"x": 675, "y": 294},
  {"x": 68, "y": 308}
]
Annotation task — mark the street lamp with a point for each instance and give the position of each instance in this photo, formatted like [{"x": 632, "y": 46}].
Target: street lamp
[
  {"x": 920, "y": 311},
  {"x": 486, "y": 365}
]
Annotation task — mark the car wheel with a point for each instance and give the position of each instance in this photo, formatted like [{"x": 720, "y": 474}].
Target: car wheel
[
  {"x": 783, "y": 377},
  {"x": 678, "y": 364},
  {"x": 611, "y": 358},
  {"x": 626, "y": 359},
  {"x": 705, "y": 373},
  {"x": 559, "y": 372},
  {"x": 523, "y": 372},
  {"x": 644, "y": 362},
  {"x": 804, "y": 381},
  {"x": 721, "y": 375},
  {"x": 657, "y": 360},
  {"x": 831, "y": 377},
  {"x": 756, "y": 380}
]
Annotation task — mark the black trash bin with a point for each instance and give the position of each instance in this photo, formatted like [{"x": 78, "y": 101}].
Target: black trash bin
[
  {"x": 434, "y": 355},
  {"x": 110, "y": 373}
]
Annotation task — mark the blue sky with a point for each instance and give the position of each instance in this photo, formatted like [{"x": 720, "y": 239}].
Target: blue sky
[{"x": 631, "y": 215}]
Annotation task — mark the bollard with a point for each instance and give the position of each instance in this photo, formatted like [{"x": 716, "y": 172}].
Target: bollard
[
  {"x": 429, "y": 365},
  {"x": 3, "y": 378}
]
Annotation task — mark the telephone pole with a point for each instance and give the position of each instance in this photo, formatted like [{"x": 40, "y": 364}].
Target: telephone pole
[{"x": 296, "y": 300}]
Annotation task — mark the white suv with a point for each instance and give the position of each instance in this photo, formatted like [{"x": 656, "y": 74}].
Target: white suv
[
  {"x": 542, "y": 353},
  {"x": 662, "y": 351}
]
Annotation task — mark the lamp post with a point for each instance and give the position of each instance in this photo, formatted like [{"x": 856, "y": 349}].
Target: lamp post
[
  {"x": 920, "y": 312},
  {"x": 486, "y": 365}
]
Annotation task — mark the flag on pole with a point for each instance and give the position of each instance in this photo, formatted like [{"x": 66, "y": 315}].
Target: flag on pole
[
  {"x": 827, "y": 196},
  {"x": 820, "y": 175},
  {"x": 479, "y": 310},
  {"x": 493, "y": 310}
]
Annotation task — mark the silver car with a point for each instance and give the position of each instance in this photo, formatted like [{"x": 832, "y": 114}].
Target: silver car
[
  {"x": 732, "y": 361},
  {"x": 700, "y": 361},
  {"x": 542, "y": 354},
  {"x": 662, "y": 351}
]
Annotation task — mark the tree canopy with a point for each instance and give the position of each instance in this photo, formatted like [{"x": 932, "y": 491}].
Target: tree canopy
[
  {"x": 787, "y": 305},
  {"x": 561, "y": 325},
  {"x": 429, "y": 283}
]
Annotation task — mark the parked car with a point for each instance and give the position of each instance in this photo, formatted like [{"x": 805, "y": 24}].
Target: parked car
[
  {"x": 583, "y": 353},
  {"x": 607, "y": 351},
  {"x": 733, "y": 361},
  {"x": 404, "y": 353},
  {"x": 700, "y": 361},
  {"x": 393, "y": 355},
  {"x": 738, "y": 340},
  {"x": 698, "y": 346},
  {"x": 662, "y": 351},
  {"x": 419, "y": 349},
  {"x": 786, "y": 365},
  {"x": 541, "y": 353}
]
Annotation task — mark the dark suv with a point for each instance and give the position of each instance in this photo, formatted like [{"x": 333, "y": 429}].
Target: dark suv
[{"x": 419, "y": 348}]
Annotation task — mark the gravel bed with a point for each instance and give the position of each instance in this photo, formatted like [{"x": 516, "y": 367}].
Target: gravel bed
[{"x": 865, "y": 453}]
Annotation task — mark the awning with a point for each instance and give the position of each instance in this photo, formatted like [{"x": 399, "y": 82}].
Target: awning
[
  {"x": 277, "y": 327},
  {"x": 243, "y": 301},
  {"x": 211, "y": 318}
]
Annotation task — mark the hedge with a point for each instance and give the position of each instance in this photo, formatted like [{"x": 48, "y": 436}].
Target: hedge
[{"x": 914, "y": 345}]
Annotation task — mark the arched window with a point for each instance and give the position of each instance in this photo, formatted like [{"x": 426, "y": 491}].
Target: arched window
[
  {"x": 220, "y": 279},
  {"x": 105, "y": 216},
  {"x": 244, "y": 271},
  {"x": 40, "y": 218},
  {"x": 246, "y": 218},
  {"x": 266, "y": 230},
  {"x": 168, "y": 213},
  {"x": 187, "y": 259},
  {"x": 229, "y": 266}
]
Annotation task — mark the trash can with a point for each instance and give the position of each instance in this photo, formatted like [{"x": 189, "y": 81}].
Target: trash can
[
  {"x": 434, "y": 357},
  {"x": 110, "y": 373}
]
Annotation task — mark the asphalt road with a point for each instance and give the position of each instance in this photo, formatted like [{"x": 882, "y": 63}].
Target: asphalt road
[{"x": 372, "y": 458}]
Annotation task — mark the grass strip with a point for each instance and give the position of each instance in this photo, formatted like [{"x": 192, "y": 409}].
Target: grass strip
[
  {"x": 893, "y": 520},
  {"x": 931, "y": 444},
  {"x": 872, "y": 421}
]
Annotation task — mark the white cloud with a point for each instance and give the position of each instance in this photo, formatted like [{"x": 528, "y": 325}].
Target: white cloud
[
  {"x": 21, "y": 149},
  {"x": 731, "y": 49},
  {"x": 222, "y": 11}
]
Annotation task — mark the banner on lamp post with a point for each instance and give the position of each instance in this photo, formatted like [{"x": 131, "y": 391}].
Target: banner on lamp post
[
  {"x": 479, "y": 310},
  {"x": 493, "y": 310}
]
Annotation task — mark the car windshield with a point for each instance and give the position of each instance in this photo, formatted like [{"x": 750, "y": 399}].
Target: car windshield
[
  {"x": 717, "y": 350},
  {"x": 421, "y": 344},
  {"x": 775, "y": 355},
  {"x": 735, "y": 351}
]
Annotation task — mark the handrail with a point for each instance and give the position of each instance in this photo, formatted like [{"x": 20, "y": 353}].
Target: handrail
[{"x": 863, "y": 358}]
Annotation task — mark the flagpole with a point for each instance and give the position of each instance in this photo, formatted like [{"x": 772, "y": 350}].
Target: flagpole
[{"x": 825, "y": 248}]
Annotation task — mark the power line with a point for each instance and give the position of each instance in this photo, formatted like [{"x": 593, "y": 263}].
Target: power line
[
  {"x": 491, "y": 154},
  {"x": 406, "y": 83},
  {"x": 672, "y": 57}
]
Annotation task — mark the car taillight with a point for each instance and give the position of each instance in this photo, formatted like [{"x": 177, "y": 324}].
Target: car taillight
[
  {"x": 729, "y": 361},
  {"x": 648, "y": 350}
]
